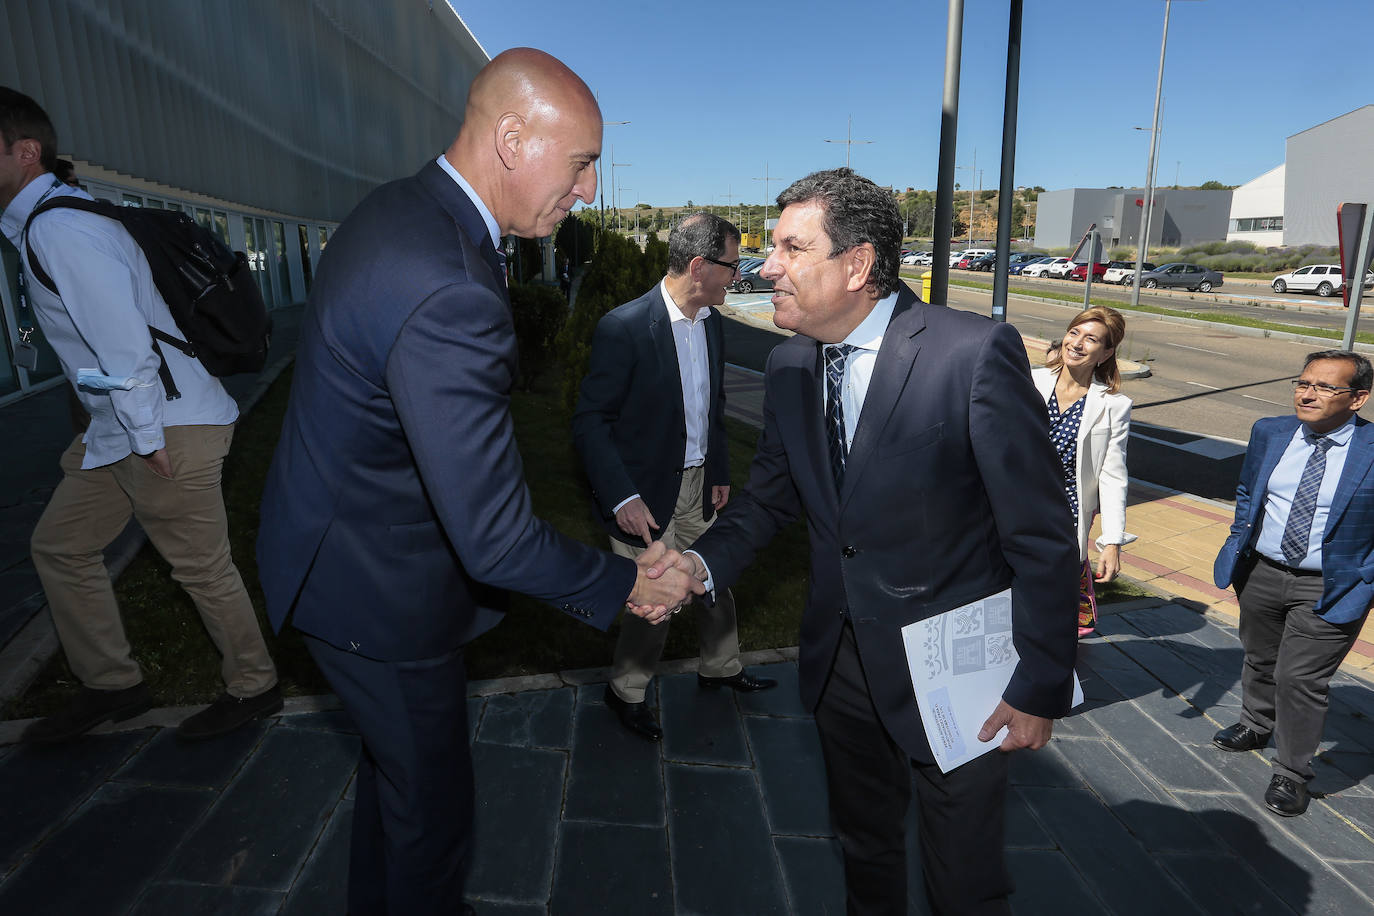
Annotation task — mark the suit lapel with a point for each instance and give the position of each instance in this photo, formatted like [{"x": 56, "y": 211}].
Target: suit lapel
[
  {"x": 465, "y": 214},
  {"x": 665, "y": 350},
  {"x": 715, "y": 359},
  {"x": 1278, "y": 442},
  {"x": 808, "y": 396},
  {"x": 896, "y": 356},
  {"x": 1357, "y": 464}
]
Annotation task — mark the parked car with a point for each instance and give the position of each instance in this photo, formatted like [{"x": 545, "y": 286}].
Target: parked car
[
  {"x": 1123, "y": 275},
  {"x": 916, "y": 257},
  {"x": 1322, "y": 279},
  {"x": 750, "y": 264},
  {"x": 749, "y": 280},
  {"x": 1100, "y": 268},
  {"x": 969, "y": 253},
  {"x": 1188, "y": 276},
  {"x": 1020, "y": 268},
  {"x": 984, "y": 263},
  {"x": 1050, "y": 267},
  {"x": 1024, "y": 257}
]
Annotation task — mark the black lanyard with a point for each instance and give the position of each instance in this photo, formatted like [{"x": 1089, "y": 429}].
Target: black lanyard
[{"x": 25, "y": 315}]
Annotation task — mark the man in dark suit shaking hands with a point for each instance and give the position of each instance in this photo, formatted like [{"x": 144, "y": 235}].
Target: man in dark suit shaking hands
[
  {"x": 396, "y": 499},
  {"x": 650, "y": 427},
  {"x": 1301, "y": 556},
  {"x": 913, "y": 440}
]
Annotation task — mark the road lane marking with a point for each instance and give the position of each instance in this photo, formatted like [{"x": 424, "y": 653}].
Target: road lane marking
[
  {"x": 1206, "y": 446},
  {"x": 1198, "y": 349},
  {"x": 1265, "y": 400},
  {"x": 1200, "y": 385}
]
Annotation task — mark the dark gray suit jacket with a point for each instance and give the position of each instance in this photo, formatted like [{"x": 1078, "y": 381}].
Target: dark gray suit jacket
[
  {"x": 952, "y": 492},
  {"x": 630, "y": 427}
]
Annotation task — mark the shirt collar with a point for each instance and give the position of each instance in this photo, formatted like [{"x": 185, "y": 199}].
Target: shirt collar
[
  {"x": 487, "y": 218},
  {"x": 869, "y": 334},
  {"x": 17, "y": 213},
  {"x": 675, "y": 313},
  {"x": 1338, "y": 436}
]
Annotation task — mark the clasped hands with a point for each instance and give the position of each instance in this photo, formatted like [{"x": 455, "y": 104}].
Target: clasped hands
[{"x": 664, "y": 582}]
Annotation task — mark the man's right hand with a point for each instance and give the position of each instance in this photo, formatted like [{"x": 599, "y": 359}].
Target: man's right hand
[
  {"x": 664, "y": 581},
  {"x": 159, "y": 462},
  {"x": 635, "y": 518}
]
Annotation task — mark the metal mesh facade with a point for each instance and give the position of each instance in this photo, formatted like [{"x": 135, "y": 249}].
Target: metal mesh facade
[{"x": 294, "y": 106}]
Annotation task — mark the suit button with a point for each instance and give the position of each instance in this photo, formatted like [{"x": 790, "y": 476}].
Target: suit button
[{"x": 849, "y": 552}]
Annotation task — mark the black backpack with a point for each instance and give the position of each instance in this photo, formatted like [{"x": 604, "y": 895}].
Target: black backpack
[{"x": 210, "y": 290}]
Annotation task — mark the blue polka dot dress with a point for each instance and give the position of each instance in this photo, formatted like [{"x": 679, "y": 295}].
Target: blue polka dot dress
[{"x": 1064, "y": 434}]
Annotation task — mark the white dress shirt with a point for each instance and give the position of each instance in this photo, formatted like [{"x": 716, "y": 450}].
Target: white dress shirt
[
  {"x": 98, "y": 328},
  {"x": 694, "y": 369},
  {"x": 858, "y": 369},
  {"x": 1283, "y": 486}
]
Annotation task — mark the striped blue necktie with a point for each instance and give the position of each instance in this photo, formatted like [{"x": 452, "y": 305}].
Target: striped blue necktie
[
  {"x": 836, "y": 355},
  {"x": 1299, "y": 528}
]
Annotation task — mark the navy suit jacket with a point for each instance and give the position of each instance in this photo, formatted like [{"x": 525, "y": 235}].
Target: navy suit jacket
[
  {"x": 952, "y": 492},
  {"x": 1347, "y": 543},
  {"x": 630, "y": 427},
  {"x": 396, "y": 497}
]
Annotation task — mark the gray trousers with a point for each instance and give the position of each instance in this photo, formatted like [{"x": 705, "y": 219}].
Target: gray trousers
[
  {"x": 1290, "y": 656},
  {"x": 640, "y": 645}
]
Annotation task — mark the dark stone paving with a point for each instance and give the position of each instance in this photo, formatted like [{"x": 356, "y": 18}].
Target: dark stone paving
[{"x": 1130, "y": 810}]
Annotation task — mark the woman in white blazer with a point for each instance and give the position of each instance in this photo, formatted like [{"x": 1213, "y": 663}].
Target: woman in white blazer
[{"x": 1089, "y": 423}]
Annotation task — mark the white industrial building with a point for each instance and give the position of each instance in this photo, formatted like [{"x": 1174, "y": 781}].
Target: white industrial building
[{"x": 1295, "y": 204}]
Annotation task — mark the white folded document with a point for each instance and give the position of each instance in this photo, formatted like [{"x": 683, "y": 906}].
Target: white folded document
[{"x": 961, "y": 662}]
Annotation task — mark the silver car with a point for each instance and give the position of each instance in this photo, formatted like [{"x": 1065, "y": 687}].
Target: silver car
[{"x": 1188, "y": 276}]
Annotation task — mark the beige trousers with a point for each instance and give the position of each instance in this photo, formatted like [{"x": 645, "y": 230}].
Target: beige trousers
[
  {"x": 641, "y": 644},
  {"x": 185, "y": 520}
]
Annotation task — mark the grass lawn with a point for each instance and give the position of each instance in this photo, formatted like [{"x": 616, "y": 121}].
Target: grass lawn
[{"x": 182, "y": 667}]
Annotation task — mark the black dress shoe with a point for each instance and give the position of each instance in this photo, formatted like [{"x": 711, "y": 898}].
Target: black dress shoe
[
  {"x": 744, "y": 682},
  {"x": 1239, "y": 738},
  {"x": 89, "y": 709},
  {"x": 634, "y": 716},
  {"x": 1286, "y": 797},
  {"x": 229, "y": 712}
]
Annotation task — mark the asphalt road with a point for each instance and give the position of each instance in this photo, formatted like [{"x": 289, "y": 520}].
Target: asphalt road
[{"x": 1191, "y": 418}]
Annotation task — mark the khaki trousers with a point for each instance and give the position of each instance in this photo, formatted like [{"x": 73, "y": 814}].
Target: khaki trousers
[
  {"x": 185, "y": 520},
  {"x": 641, "y": 644}
]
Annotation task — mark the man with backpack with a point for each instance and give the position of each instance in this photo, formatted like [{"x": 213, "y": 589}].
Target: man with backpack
[{"x": 148, "y": 453}]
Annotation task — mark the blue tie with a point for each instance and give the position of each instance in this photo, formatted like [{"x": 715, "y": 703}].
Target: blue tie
[
  {"x": 836, "y": 355},
  {"x": 1296, "y": 533}
]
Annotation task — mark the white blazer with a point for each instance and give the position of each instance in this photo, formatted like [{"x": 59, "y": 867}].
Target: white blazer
[{"x": 1101, "y": 464}]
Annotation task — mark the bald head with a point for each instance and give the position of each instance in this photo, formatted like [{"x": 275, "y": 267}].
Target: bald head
[{"x": 530, "y": 137}]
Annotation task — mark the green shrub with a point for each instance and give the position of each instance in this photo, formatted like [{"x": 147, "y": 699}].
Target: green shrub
[{"x": 539, "y": 313}]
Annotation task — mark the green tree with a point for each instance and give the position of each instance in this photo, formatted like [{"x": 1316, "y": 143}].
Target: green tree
[{"x": 1215, "y": 186}]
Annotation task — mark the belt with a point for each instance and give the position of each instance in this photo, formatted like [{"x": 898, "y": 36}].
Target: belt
[{"x": 1284, "y": 567}]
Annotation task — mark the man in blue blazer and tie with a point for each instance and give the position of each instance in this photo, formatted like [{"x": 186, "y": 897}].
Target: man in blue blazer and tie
[
  {"x": 913, "y": 440},
  {"x": 396, "y": 500},
  {"x": 1301, "y": 556}
]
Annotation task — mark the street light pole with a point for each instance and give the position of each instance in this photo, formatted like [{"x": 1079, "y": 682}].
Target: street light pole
[
  {"x": 601, "y": 171},
  {"x": 1150, "y": 166},
  {"x": 848, "y": 140},
  {"x": 615, "y": 198},
  {"x": 765, "y": 179}
]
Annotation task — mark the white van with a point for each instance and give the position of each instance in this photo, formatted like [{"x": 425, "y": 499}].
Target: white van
[{"x": 954, "y": 259}]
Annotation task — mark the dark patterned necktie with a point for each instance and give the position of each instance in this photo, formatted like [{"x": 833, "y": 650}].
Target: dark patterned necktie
[
  {"x": 1299, "y": 528},
  {"x": 836, "y": 355}
]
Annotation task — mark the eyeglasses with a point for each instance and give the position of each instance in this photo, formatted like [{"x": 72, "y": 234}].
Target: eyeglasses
[
  {"x": 733, "y": 265},
  {"x": 1320, "y": 389}
]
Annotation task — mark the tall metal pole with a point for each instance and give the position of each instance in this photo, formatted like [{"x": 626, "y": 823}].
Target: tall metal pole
[
  {"x": 949, "y": 135},
  {"x": 766, "y": 180},
  {"x": 1361, "y": 266},
  {"x": 1150, "y": 166},
  {"x": 1006, "y": 184},
  {"x": 1088, "y": 277}
]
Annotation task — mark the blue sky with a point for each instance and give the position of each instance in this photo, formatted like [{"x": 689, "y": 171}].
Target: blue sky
[{"x": 718, "y": 92}]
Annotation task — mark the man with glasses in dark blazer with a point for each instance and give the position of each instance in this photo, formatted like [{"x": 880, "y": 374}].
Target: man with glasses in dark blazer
[
  {"x": 650, "y": 427},
  {"x": 1301, "y": 557}
]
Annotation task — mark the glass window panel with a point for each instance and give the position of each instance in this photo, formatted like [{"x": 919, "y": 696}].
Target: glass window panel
[
  {"x": 221, "y": 227},
  {"x": 303, "y": 237},
  {"x": 154, "y": 204},
  {"x": 132, "y": 200},
  {"x": 283, "y": 267}
]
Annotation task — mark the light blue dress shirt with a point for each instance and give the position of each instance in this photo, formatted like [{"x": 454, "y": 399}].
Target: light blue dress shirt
[
  {"x": 477, "y": 202},
  {"x": 99, "y": 328},
  {"x": 1283, "y": 484}
]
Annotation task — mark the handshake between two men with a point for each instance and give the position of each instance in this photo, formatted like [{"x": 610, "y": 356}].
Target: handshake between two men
[{"x": 665, "y": 581}]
